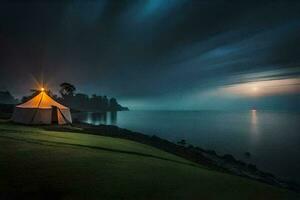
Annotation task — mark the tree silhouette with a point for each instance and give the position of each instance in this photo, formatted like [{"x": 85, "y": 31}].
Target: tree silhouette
[
  {"x": 81, "y": 101},
  {"x": 113, "y": 104},
  {"x": 67, "y": 89},
  {"x": 34, "y": 92}
]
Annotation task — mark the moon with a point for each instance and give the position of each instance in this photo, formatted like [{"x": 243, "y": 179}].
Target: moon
[{"x": 254, "y": 89}]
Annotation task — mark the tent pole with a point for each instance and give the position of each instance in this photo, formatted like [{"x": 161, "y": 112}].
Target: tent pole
[{"x": 37, "y": 108}]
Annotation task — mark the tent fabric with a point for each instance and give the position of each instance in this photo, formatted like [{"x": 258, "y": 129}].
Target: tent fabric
[
  {"x": 40, "y": 110},
  {"x": 42, "y": 100}
]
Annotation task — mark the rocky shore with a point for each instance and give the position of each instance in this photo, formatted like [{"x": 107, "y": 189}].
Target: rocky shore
[{"x": 207, "y": 158}]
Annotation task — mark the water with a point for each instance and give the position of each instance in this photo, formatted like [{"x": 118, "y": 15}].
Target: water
[{"x": 272, "y": 138}]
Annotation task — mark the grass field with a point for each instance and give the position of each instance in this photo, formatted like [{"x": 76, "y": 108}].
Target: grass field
[{"x": 62, "y": 165}]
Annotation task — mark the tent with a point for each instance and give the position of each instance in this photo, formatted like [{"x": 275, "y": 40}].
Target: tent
[{"x": 42, "y": 109}]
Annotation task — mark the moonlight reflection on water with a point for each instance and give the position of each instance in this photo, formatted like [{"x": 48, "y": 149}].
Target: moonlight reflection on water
[{"x": 272, "y": 138}]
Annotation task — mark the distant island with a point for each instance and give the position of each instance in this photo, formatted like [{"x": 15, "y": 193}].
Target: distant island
[{"x": 68, "y": 97}]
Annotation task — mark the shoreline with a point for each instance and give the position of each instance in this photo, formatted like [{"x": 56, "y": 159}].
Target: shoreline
[{"x": 207, "y": 158}]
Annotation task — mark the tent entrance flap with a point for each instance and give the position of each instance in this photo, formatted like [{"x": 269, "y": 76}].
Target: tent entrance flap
[{"x": 54, "y": 115}]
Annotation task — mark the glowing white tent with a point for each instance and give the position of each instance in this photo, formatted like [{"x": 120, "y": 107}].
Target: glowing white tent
[{"x": 42, "y": 109}]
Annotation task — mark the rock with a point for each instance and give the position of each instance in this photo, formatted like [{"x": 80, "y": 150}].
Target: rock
[
  {"x": 229, "y": 158},
  {"x": 252, "y": 167},
  {"x": 181, "y": 142},
  {"x": 212, "y": 152},
  {"x": 247, "y": 154}
]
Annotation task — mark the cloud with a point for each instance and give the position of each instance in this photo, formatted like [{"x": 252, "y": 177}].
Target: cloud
[
  {"x": 146, "y": 50},
  {"x": 265, "y": 88}
]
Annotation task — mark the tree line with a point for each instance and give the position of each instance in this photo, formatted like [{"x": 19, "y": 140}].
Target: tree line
[{"x": 80, "y": 101}]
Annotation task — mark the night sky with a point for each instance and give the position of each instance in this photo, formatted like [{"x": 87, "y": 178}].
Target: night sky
[{"x": 156, "y": 54}]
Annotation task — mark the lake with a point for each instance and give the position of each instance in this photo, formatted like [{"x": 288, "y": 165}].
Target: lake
[{"x": 272, "y": 138}]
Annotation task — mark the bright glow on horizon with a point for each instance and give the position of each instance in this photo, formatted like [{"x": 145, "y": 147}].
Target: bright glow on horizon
[
  {"x": 265, "y": 88},
  {"x": 255, "y": 89}
]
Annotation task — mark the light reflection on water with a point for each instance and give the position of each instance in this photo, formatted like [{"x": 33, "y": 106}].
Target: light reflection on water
[
  {"x": 253, "y": 117},
  {"x": 254, "y": 121},
  {"x": 272, "y": 138},
  {"x": 106, "y": 118}
]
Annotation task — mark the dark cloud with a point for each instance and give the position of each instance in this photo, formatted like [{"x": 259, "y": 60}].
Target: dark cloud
[{"x": 147, "y": 49}]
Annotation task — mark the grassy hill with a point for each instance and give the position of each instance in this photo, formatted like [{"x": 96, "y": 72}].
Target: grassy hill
[{"x": 64, "y": 165}]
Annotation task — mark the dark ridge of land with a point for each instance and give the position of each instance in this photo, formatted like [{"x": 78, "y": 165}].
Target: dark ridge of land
[
  {"x": 63, "y": 164},
  {"x": 226, "y": 163}
]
